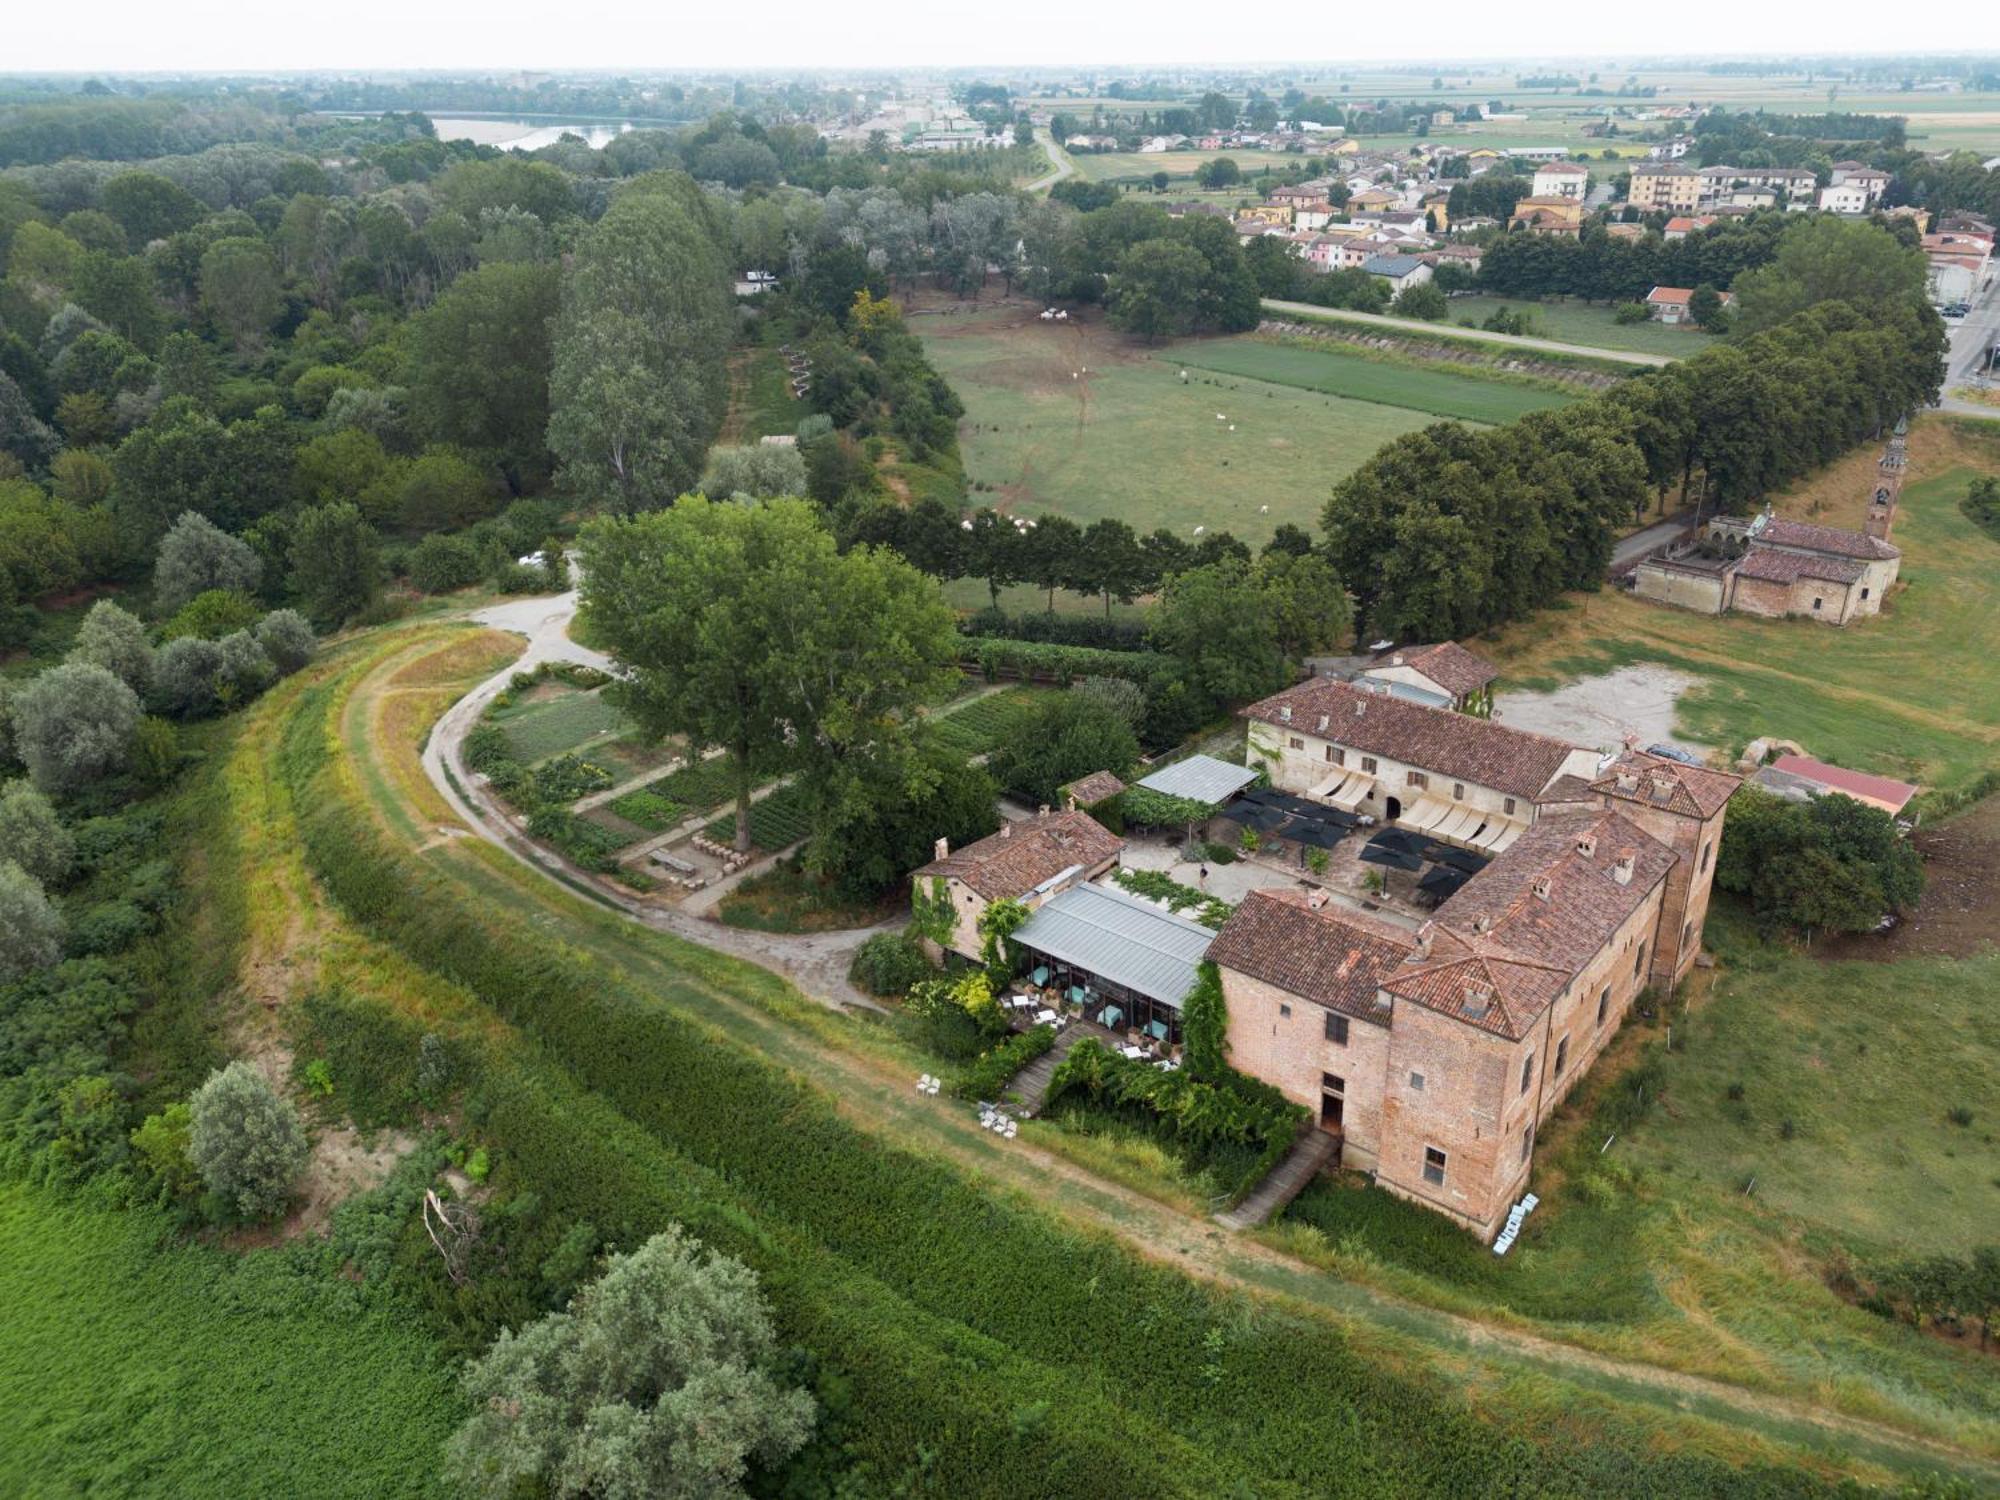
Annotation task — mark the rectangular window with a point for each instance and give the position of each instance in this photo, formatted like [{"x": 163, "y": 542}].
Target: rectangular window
[
  {"x": 1337, "y": 755},
  {"x": 1562, "y": 1056},
  {"x": 1527, "y": 1071},
  {"x": 1706, "y": 851},
  {"x": 1687, "y": 934},
  {"x": 1284, "y": 1010},
  {"x": 1639, "y": 963},
  {"x": 1816, "y": 604},
  {"x": 1458, "y": 791},
  {"x": 1434, "y": 1160},
  {"x": 1528, "y": 1140},
  {"x": 1603, "y": 1003},
  {"x": 1368, "y": 764},
  {"x": 1336, "y": 1028},
  {"x": 1864, "y": 593},
  {"x": 1332, "y": 1083},
  {"x": 1510, "y": 807},
  {"x": 1417, "y": 1082},
  {"x": 1416, "y": 778}
]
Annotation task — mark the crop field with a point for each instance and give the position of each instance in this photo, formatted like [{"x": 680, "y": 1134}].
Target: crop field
[
  {"x": 776, "y": 822},
  {"x": 1587, "y": 323},
  {"x": 1127, "y": 438},
  {"x": 1332, "y": 372},
  {"x": 1912, "y": 693},
  {"x": 982, "y": 726},
  {"x": 131, "y": 1366},
  {"x": 557, "y": 719}
]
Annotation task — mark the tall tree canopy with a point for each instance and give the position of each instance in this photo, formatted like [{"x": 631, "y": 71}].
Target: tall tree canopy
[{"x": 638, "y": 389}]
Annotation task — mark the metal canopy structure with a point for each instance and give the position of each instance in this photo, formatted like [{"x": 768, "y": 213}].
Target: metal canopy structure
[
  {"x": 1200, "y": 778},
  {"x": 1125, "y": 941}
]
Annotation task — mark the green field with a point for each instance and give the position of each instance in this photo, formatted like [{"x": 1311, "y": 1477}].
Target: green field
[
  {"x": 557, "y": 720},
  {"x": 1334, "y": 372},
  {"x": 1824, "y": 1050},
  {"x": 1106, "y": 166},
  {"x": 1129, "y": 439},
  {"x": 981, "y": 726},
  {"x": 1586, "y": 323},
  {"x": 1913, "y": 693},
  {"x": 133, "y": 1367}
]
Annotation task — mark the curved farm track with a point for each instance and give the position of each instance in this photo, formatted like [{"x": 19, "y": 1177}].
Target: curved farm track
[{"x": 868, "y": 1077}]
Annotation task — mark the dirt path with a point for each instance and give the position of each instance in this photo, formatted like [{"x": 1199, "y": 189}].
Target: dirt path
[
  {"x": 876, "y": 1092},
  {"x": 1310, "y": 311}
]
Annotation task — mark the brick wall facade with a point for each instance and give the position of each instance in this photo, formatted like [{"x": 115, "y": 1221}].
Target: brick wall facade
[{"x": 1281, "y": 1038}]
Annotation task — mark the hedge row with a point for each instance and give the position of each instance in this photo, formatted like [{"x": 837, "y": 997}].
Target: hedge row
[
  {"x": 989, "y": 1074},
  {"x": 1022, "y": 1359},
  {"x": 993, "y": 659}
]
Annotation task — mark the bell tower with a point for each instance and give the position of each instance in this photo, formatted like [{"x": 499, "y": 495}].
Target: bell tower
[{"x": 1889, "y": 472}]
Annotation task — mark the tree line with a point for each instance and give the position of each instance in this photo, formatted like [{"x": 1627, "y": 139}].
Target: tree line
[{"x": 1449, "y": 531}]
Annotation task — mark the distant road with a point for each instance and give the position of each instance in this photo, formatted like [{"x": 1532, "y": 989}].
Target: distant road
[
  {"x": 1513, "y": 340},
  {"x": 1969, "y": 341},
  {"x": 1639, "y": 543},
  {"x": 1064, "y": 167}
]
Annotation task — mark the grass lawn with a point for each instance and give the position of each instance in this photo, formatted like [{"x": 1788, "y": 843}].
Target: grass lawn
[
  {"x": 131, "y": 1366},
  {"x": 767, "y": 407},
  {"x": 1130, "y": 440},
  {"x": 1912, "y": 693},
  {"x": 1590, "y": 323},
  {"x": 1826, "y": 1050},
  {"x": 556, "y": 719},
  {"x": 1332, "y": 372},
  {"x": 784, "y": 900}
]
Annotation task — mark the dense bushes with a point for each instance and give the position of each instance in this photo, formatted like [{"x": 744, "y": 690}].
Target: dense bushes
[
  {"x": 1829, "y": 865},
  {"x": 888, "y": 964},
  {"x": 1051, "y": 661},
  {"x": 1232, "y": 1109},
  {"x": 987, "y": 1076},
  {"x": 1062, "y": 630}
]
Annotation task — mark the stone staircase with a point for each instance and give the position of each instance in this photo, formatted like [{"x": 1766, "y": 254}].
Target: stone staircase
[
  {"x": 1287, "y": 1180},
  {"x": 1031, "y": 1084}
]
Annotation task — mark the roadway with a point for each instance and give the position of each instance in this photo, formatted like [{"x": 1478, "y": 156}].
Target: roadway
[
  {"x": 1061, "y": 165},
  {"x": 1979, "y": 331},
  {"x": 1311, "y": 310}
]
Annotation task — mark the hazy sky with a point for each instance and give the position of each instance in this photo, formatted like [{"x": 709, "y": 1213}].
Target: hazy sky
[{"x": 154, "y": 35}]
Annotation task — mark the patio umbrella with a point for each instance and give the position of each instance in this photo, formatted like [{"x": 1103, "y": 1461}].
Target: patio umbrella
[
  {"x": 1442, "y": 881},
  {"x": 1318, "y": 835},
  {"x": 1395, "y": 856},
  {"x": 1460, "y": 859},
  {"x": 1402, "y": 841}
]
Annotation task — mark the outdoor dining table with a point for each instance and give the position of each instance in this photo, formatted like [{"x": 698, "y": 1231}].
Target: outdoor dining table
[
  {"x": 1040, "y": 976},
  {"x": 1130, "y": 1051},
  {"x": 1109, "y": 1017},
  {"x": 1157, "y": 1030},
  {"x": 1046, "y": 1018}
]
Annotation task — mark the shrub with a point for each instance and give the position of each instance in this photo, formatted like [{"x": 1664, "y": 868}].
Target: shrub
[
  {"x": 246, "y": 669},
  {"x": 30, "y": 928},
  {"x": 440, "y": 564},
  {"x": 32, "y": 836},
  {"x": 212, "y": 615},
  {"x": 115, "y": 640},
  {"x": 988, "y": 1076},
  {"x": 161, "y": 1145},
  {"x": 682, "y": 1408},
  {"x": 196, "y": 556},
  {"x": 888, "y": 964},
  {"x": 246, "y": 1141},
  {"x": 188, "y": 677},
  {"x": 287, "y": 639},
  {"x": 73, "y": 725},
  {"x": 584, "y": 843},
  {"x": 1631, "y": 312}
]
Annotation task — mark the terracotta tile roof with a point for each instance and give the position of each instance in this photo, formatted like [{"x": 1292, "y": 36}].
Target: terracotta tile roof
[
  {"x": 1835, "y": 539},
  {"x": 1441, "y": 741},
  {"x": 1856, "y": 784},
  {"x": 1566, "y": 788},
  {"x": 1656, "y": 781},
  {"x": 1674, "y": 295},
  {"x": 1449, "y": 665},
  {"x": 1098, "y": 786},
  {"x": 1772, "y": 566},
  {"x": 1330, "y": 956},
  {"x": 1521, "y": 929},
  {"x": 1022, "y": 855}
]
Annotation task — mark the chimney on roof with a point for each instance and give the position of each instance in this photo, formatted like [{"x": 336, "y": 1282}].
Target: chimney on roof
[
  {"x": 1477, "y": 998},
  {"x": 1360, "y": 707},
  {"x": 1622, "y": 871},
  {"x": 1285, "y": 713},
  {"x": 1627, "y": 782},
  {"x": 1007, "y": 828},
  {"x": 1322, "y": 723},
  {"x": 1587, "y": 845},
  {"x": 1069, "y": 803},
  {"x": 1396, "y": 660},
  {"x": 940, "y": 849},
  {"x": 1316, "y": 900},
  {"x": 1661, "y": 788},
  {"x": 1483, "y": 922},
  {"x": 1424, "y": 939},
  {"x": 1542, "y": 887}
]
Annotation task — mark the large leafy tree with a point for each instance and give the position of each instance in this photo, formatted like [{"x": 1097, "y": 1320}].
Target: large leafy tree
[
  {"x": 1069, "y": 735},
  {"x": 744, "y": 628},
  {"x": 638, "y": 388},
  {"x": 1156, "y": 290},
  {"x": 1827, "y": 259},
  {"x": 30, "y": 926},
  {"x": 74, "y": 724},
  {"x": 1829, "y": 865},
  {"x": 479, "y": 362},
  {"x": 246, "y": 1141},
  {"x": 240, "y": 288},
  {"x": 197, "y": 556},
  {"x": 336, "y": 567},
  {"x": 657, "y": 1380}
]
